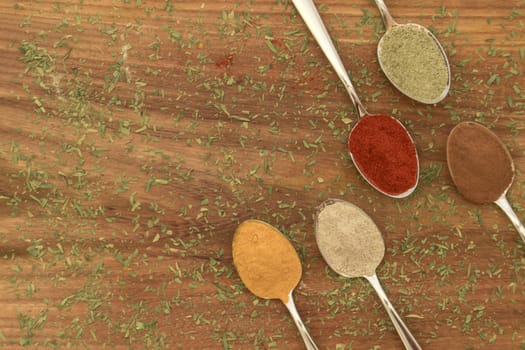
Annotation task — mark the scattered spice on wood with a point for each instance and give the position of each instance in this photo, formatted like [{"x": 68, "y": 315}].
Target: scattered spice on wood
[
  {"x": 385, "y": 154},
  {"x": 110, "y": 259}
]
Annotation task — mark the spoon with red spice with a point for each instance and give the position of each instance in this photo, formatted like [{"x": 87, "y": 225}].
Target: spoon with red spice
[{"x": 381, "y": 148}]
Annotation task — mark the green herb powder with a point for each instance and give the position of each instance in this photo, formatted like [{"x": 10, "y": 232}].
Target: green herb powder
[{"x": 414, "y": 63}]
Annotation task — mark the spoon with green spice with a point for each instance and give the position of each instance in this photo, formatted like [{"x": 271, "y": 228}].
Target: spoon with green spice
[
  {"x": 352, "y": 245},
  {"x": 413, "y": 59},
  {"x": 381, "y": 148}
]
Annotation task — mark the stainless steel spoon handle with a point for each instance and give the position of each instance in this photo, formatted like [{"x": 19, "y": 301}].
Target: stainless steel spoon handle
[
  {"x": 311, "y": 17},
  {"x": 404, "y": 333},
  {"x": 504, "y": 204},
  {"x": 385, "y": 14},
  {"x": 308, "y": 341}
]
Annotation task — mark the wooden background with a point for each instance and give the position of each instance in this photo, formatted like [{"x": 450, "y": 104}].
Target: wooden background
[{"x": 136, "y": 135}]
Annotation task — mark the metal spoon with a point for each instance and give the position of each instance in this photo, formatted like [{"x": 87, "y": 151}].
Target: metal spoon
[
  {"x": 341, "y": 245},
  {"x": 390, "y": 23},
  {"x": 311, "y": 17},
  {"x": 254, "y": 232},
  {"x": 470, "y": 163}
]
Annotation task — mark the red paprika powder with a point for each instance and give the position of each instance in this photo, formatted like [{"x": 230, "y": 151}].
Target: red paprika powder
[{"x": 384, "y": 153}]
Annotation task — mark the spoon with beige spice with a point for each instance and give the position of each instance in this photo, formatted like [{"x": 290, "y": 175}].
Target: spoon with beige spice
[
  {"x": 482, "y": 167},
  {"x": 352, "y": 245},
  {"x": 269, "y": 267}
]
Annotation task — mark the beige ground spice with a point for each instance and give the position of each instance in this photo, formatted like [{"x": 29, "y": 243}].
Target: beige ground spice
[
  {"x": 265, "y": 260},
  {"x": 479, "y": 163},
  {"x": 349, "y": 240}
]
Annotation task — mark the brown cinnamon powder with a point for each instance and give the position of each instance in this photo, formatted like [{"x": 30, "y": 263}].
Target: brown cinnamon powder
[{"x": 479, "y": 163}]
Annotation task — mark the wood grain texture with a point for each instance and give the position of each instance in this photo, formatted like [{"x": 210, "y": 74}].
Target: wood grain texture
[{"x": 136, "y": 136}]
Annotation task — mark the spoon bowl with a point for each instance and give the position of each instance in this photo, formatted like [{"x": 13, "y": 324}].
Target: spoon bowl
[
  {"x": 481, "y": 167},
  {"x": 352, "y": 245},
  {"x": 379, "y": 165},
  {"x": 415, "y": 62},
  {"x": 269, "y": 267},
  {"x": 373, "y": 139}
]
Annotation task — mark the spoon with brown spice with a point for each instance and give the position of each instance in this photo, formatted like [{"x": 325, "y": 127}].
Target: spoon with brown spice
[
  {"x": 381, "y": 148},
  {"x": 413, "y": 59},
  {"x": 269, "y": 267},
  {"x": 482, "y": 167},
  {"x": 352, "y": 245}
]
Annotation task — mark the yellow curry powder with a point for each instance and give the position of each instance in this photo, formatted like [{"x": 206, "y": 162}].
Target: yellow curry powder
[{"x": 265, "y": 260}]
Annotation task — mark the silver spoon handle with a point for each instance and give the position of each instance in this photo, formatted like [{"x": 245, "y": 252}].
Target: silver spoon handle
[
  {"x": 308, "y": 341},
  {"x": 311, "y": 17},
  {"x": 404, "y": 333},
  {"x": 504, "y": 204},
  {"x": 385, "y": 14}
]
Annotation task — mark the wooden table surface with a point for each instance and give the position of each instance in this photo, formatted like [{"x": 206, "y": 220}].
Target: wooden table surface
[{"x": 136, "y": 135}]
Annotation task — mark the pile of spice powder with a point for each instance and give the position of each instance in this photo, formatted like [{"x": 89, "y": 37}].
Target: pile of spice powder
[
  {"x": 265, "y": 260},
  {"x": 384, "y": 153},
  {"x": 414, "y": 63},
  {"x": 348, "y": 239}
]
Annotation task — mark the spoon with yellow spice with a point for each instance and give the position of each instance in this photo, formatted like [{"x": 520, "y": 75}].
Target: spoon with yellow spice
[{"x": 269, "y": 267}]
